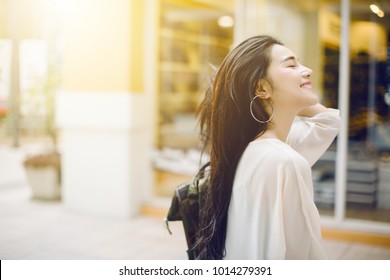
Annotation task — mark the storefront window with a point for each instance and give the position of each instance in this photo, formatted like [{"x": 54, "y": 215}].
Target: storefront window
[
  {"x": 368, "y": 174},
  {"x": 30, "y": 71},
  {"x": 194, "y": 38}
]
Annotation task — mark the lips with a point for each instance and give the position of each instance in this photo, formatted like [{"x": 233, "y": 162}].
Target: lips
[{"x": 306, "y": 85}]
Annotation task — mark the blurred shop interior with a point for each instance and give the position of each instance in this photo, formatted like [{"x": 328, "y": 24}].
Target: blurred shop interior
[{"x": 61, "y": 77}]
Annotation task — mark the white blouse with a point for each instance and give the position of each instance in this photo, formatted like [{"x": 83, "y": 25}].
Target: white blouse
[{"x": 272, "y": 214}]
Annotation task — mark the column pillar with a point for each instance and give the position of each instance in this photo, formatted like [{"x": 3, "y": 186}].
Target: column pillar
[{"x": 105, "y": 117}]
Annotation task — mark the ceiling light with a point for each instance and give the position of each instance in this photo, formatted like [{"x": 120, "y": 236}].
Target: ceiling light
[
  {"x": 374, "y": 8},
  {"x": 225, "y": 21}
]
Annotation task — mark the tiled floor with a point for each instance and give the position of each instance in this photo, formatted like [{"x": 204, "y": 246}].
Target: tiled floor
[
  {"x": 31, "y": 229},
  {"x": 45, "y": 230}
]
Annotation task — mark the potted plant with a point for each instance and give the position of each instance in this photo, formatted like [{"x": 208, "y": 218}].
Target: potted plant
[
  {"x": 43, "y": 173},
  {"x": 43, "y": 170}
]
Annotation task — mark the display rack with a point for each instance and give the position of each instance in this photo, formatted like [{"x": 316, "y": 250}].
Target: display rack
[{"x": 362, "y": 182}]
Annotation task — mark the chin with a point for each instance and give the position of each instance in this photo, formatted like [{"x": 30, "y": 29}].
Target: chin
[{"x": 313, "y": 100}]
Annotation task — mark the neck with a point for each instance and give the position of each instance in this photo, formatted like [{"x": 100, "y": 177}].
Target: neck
[{"x": 280, "y": 126}]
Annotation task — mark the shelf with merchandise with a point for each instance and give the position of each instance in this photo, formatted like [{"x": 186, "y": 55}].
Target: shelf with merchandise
[{"x": 190, "y": 40}]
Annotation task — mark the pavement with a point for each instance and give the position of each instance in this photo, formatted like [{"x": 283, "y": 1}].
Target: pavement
[{"x": 45, "y": 230}]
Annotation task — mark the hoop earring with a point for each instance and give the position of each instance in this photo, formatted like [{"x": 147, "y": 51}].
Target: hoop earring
[{"x": 256, "y": 119}]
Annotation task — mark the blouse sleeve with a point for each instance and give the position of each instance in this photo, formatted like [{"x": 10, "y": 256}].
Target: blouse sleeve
[{"x": 312, "y": 136}]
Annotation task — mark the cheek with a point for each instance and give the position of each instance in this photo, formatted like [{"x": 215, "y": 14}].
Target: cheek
[
  {"x": 286, "y": 89},
  {"x": 289, "y": 95},
  {"x": 280, "y": 74},
  {"x": 287, "y": 80}
]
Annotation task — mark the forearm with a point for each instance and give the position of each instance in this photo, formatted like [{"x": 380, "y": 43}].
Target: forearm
[{"x": 312, "y": 110}]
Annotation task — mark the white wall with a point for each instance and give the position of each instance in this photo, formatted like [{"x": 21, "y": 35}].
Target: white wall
[{"x": 106, "y": 141}]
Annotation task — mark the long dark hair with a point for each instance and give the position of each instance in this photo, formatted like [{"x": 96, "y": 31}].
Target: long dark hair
[{"x": 227, "y": 127}]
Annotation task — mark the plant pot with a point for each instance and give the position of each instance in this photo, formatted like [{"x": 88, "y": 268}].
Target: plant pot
[
  {"x": 43, "y": 176},
  {"x": 44, "y": 182}
]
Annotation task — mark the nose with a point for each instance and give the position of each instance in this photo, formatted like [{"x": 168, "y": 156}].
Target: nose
[{"x": 306, "y": 72}]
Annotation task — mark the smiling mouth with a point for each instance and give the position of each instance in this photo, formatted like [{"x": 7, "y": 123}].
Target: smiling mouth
[{"x": 306, "y": 85}]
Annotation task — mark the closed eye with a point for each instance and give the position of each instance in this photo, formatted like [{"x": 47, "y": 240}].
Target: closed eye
[{"x": 290, "y": 61}]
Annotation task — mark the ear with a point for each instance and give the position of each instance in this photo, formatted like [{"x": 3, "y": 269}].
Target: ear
[{"x": 263, "y": 89}]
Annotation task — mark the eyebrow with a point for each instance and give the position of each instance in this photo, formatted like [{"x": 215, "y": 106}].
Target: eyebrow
[{"x": 289, "y": 58}]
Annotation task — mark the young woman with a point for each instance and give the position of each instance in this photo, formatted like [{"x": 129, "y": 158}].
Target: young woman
[{"x": 264, "y": 129}]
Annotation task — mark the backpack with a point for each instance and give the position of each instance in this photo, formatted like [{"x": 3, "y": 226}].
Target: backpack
[{"x": 187, "y": 201}]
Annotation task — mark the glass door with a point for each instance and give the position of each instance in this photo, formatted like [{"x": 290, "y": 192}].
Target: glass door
[{"x": 368, "y": 168}]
